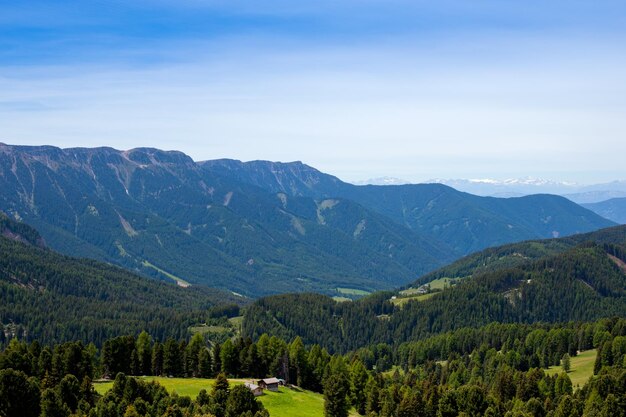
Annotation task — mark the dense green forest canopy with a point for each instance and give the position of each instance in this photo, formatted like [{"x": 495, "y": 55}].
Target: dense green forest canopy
[
  {"x": 585, "y": 282},
  {"x": 481, "y": 347},
  {"x": 516, "y": 254},
  {"x": 53, "y": 298},
  {"x": 495, "y": 370}
]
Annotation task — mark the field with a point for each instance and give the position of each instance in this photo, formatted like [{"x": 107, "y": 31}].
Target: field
[
  {"x": 352, "y": 291},
  {"x": 208, "y": 329},
  {"x": 441, "y": 284},
  {"x": 403, "y": 300},
  {"x": 581, "y": 368},
  {"x": 236, "y": 323},
  {"x": 436, "y": 286},
  {"x": 285, "y": 403}
]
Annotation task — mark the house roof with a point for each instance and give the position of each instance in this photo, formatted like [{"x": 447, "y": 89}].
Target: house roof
[
  {"x": 271, "y": 380},
  {"x": 251, "y": 386}
]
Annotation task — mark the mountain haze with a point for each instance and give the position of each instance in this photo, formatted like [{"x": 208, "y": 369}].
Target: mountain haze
[{"x": 613, "y": 209}]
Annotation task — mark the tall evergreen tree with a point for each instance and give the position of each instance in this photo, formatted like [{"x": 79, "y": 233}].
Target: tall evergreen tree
[
  {"x": 336, "y": 396},
  {"x": 144, "y": 353},
  {"x": 157, "y": 359}
]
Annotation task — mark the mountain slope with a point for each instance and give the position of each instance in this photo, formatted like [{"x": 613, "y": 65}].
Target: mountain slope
[
  {"x": 613, "y": 209},
  {"x": 516, "y": 255},
  {"x": 578, "y": 278},
  {"x": 160, "y": 214},
  {"x": 52, "y": 298},
  {"x": 464, "y": 222}
]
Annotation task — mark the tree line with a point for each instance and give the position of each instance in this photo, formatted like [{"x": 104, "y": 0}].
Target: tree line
[{"x": 496, "y": 370}]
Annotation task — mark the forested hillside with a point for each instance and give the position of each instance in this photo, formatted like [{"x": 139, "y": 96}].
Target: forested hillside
[
  {"x": 586, "y": 281},
  {"x": 51, "y": 298},
  {"x": 160, "y": 214},
  {"x": 464, "y": 222},
  {"x": 516, "y": 254},
  {"x": 259, "y": 228}
]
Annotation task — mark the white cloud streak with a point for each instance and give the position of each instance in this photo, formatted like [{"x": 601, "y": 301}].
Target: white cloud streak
[{"x": 482, "y": 106}]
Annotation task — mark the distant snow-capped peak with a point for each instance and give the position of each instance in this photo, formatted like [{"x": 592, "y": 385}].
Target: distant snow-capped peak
[
  {"x": 382, "y": 181},
  {"x": 527, "y": 181}
]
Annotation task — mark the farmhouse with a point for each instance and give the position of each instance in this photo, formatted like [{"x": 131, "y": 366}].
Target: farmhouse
[
  {"x": 423, "y": 289},
  {"x": 269, "y": 383},
  {"x": 256, "y": 390}
]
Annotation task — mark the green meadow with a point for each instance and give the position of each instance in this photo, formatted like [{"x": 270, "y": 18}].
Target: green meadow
[
  {"x": 353, "y": 291},
  {"x": 287, "y": 402},
  {"x": 436, "y": 286},
  {"x": 581, "y": 368}
]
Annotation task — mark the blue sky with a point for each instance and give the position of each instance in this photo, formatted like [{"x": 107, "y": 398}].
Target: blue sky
[{"x": 360, "y": 89}]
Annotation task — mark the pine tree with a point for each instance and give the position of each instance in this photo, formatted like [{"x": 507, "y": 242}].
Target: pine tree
[
  {"x": 240, "y": 401},
  {"x": 204, "y": 363},
  {"x": 51, "y": 405},
  {"x": 220, "y": 393},
  {"x": 228, "y": 358},
  {"x": 157, "y": 359},
  {"x": 144, "y": 353},
  {"x": 19, "y": 395},
  {"x": 358, "y": 383},
  {"x": 566, "y": 362},
  {"x": 172, "y": 358},
  {"x": 192, "y": 355},
  {"x": 335, "y": 396}
]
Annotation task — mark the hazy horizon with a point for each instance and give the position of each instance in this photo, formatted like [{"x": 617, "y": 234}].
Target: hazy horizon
[{"x": 413, "y": 90}]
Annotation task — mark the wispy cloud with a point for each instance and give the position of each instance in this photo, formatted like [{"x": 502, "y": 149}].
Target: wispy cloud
[{"x": 361, "y": 89}]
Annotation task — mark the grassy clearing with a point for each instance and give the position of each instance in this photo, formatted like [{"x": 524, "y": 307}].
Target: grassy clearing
[
  {"x": 353, "y": 291},
  {"x": 293, "y": 402},
  {"x": 581, "y": 368},
  {"x": 403, "y": 300},
  {"x": 341, "y": 299},
  {"x": 178, "y": 280},
  {"x": 285, "y": 403},
  {"x": 442, "y": 283},
  {"x": 434, "y": 287},
  {"x": 236, "y": 322},
  {"x": 208, "y": 329},
  {"x": 183, "y": 386}
]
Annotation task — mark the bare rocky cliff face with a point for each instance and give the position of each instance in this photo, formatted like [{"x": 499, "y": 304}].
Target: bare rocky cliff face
[{"x": 292, "y": 178}]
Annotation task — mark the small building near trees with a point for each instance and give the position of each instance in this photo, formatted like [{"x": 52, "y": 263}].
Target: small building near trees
[
  {"x": 254, "y": 388},
  {"x": 269, "y": 383}
]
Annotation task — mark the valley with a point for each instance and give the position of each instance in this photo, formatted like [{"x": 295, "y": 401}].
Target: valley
[
  {"x": 502, "y": 314},
  {"x": 186, "y": 229}
]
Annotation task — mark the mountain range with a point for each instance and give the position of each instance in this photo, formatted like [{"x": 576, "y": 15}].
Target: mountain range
[
  {"x": 605, "y": 199},
  {"x": 518, "y": 187},
  {"x": 613, "y": 209},
  {"x": 260, "y": 227},
  {"x": 463, "y": 221}
]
